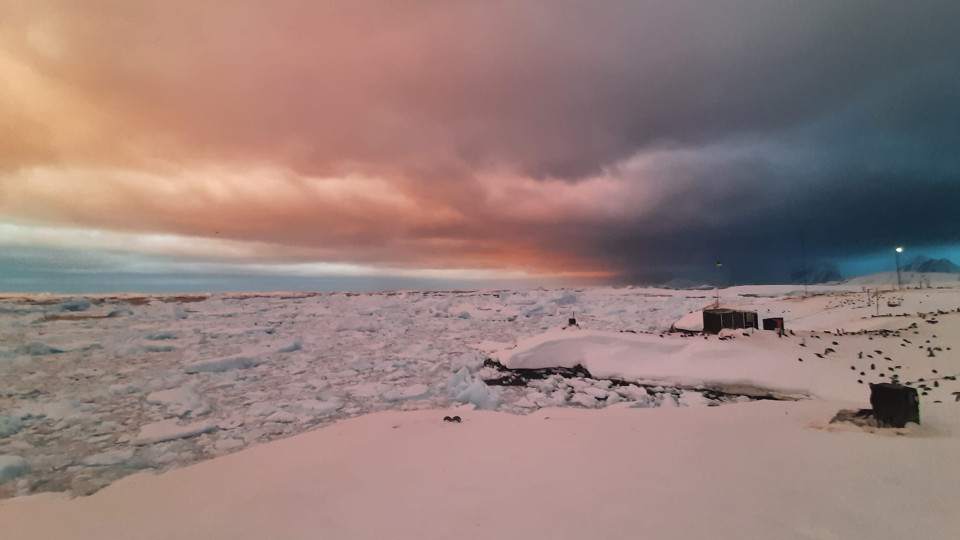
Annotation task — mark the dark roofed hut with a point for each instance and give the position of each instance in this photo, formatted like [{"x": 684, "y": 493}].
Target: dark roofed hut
[{"x": 716, "y": 319}]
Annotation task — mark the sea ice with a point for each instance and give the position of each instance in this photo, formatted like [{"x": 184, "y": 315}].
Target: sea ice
[
  {"x": 120, "y": 389},
  {"x": 181, "y": 401},
  {"x": 479, "y": 395},
  {"x": 293, "y": 347},
  {"x": 283, "y": 417},
  {"x": 316, "y": 407},
  {"x": 74, "y": 304},
  {"x": 39, "y": 349},
  {"x": 584, "y": 400},
  {"x": 169, "y": 430},
  {"x": 668, "y": 400},
  {"x": 219, "y": 365},
  {"x": 689, "y": 398},
  {"x": 596, "y": 393},
  {"x": 565, "y": 300},
  {"x": 110, "y": 457},
  {"x": 9, "y": 425},
  {"x": 408, "y": 392},
  {"x": 160, "y": 336},
  {"x": 366, "y": 390},
  {"x": 359, "y": 324},
  {"x": 12, "y": 467},
  {"x": 226, "y": 445},
  {"x": 261, "y": 408}
]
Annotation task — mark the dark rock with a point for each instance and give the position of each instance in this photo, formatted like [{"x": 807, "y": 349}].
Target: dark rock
[
  {"x": 862, "y": 417},
  {"x": 520, "y": 377},
  {"x": 894, "y": 405},
  {"x": 75, "y": 304}
]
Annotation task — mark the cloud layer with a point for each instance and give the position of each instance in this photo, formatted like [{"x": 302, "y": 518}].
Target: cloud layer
[{"x": 630, "y": 139}]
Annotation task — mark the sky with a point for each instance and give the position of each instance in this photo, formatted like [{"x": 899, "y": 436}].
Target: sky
[{"x": 190, "y": 145}]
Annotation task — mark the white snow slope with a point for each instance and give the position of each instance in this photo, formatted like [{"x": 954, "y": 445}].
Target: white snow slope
[{"x": 756, "y": 470}]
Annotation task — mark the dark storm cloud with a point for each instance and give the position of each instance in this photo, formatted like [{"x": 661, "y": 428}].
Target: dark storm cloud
[{"x": 716, "y": 127}]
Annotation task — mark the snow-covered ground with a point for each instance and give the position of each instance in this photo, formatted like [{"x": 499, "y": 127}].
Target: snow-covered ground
[
  {"x": 95, "y": 389},
  {"x": 755, "y": 470}
]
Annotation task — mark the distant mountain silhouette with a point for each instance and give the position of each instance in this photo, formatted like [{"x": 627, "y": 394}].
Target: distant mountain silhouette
[
  {"x": 818, "y": 273},
  {"x": 922, "y": 263}
]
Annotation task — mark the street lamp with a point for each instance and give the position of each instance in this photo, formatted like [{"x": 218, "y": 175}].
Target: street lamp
[
  {"x": 898, "y": 251},
  {"x": 719, "y": 264}
]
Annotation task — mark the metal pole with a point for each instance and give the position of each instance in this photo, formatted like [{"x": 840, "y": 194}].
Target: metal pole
[
  {"x": 899, "y": 279},
  {"x": 806, "y": 276},
  {"x": 719, "y": 264}
]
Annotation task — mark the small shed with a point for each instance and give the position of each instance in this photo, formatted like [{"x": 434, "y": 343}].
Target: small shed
[
  {"x": 773, "y": 323},
  {"x": 716, "y": 319}
]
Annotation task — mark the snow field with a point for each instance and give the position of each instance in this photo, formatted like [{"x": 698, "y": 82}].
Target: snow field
[{"x": 757, "y": 470}]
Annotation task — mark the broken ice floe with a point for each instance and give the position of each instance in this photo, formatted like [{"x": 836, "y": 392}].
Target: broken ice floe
[
  {"x": 9, "y": 425},
  {"x": 108, "y": 458},
  {"x": 75, "y": 304},
  {"x": 404, "y": 393},
  {"x": 168, "y": 430},
  {"x": 181, "y": 402},
  {"x": 12, "y": 467},
  {"x": 40, "y": 349},
  {"x": 219, "y": 365},
  {"x": 160, "y": 336},
  {"x": 465, "y": 388}
]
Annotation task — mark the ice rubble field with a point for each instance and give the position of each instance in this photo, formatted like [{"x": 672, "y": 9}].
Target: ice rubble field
[
  {"x": 92, "y": 390},
  {"x": 86, "y": 397}
]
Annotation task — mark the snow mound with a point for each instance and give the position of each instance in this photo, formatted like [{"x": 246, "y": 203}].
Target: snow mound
[
  {"x": 691, "y": 322},
  {"x": 757, "y": 364},
  {"x": 219, "y": 365},
  {"x": 169, "y": 430}
]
